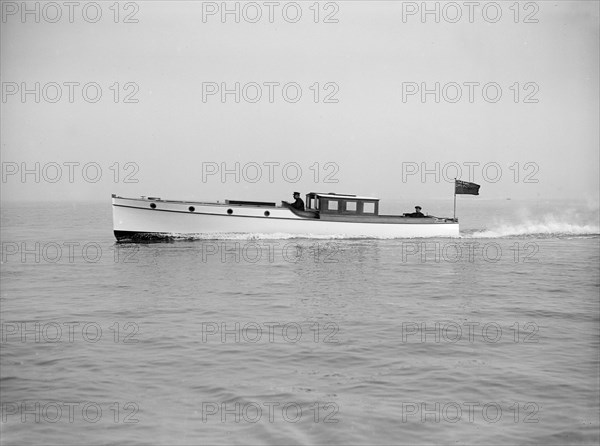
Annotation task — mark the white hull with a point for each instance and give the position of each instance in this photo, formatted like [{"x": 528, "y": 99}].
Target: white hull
[{"x": 135, "y": 218}]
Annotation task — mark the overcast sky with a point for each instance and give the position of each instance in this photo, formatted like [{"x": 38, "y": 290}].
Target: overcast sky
[{"x": 370, "y": 129}]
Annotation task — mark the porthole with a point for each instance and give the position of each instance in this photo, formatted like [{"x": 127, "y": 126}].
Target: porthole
[
  {"x": 191, "y": 208},
  {"x": 153, "y": 205},
  {"x": 267, "y": 213},
  {"x": 229, "y": 211}
]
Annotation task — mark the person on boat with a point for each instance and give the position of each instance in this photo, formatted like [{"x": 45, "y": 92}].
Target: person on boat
[
  {"x": 416, "y": 214},
  {"x": 298, "y": 203}
]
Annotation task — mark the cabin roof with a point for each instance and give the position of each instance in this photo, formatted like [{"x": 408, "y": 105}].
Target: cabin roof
[{"x": 342, "y": 196}]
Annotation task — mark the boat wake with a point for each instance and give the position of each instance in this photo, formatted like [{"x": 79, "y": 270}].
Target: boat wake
[{"x": 547, "y": 227}]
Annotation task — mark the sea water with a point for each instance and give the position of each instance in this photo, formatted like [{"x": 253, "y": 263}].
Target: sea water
[{"x": 489, "y": 338}]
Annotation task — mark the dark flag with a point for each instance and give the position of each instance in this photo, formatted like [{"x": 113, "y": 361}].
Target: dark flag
[{"x": 464, "y": 187}]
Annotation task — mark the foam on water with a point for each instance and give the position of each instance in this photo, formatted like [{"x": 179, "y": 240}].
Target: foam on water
[{"x": 547, "y": 226}]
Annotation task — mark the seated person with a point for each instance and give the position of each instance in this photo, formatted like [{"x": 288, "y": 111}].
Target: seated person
[
  {"x": 416, "y": 214},
  {"x": 298, "y": 203}
]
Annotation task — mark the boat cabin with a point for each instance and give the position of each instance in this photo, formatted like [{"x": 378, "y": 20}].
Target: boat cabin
[{"x": 342, "y": 204}]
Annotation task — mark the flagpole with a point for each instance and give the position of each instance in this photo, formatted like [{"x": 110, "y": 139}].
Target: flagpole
[{"x": 454, "y": 199}]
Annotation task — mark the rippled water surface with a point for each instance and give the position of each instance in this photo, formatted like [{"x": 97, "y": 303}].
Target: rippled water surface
[{"x": 490, "y": 338}]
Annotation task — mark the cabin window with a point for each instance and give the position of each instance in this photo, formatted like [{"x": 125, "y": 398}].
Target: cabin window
[
  {"x": 351, "y": 206},
  {"x": 332, "y": 205},
  {"x": 368, "y": 208}
]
